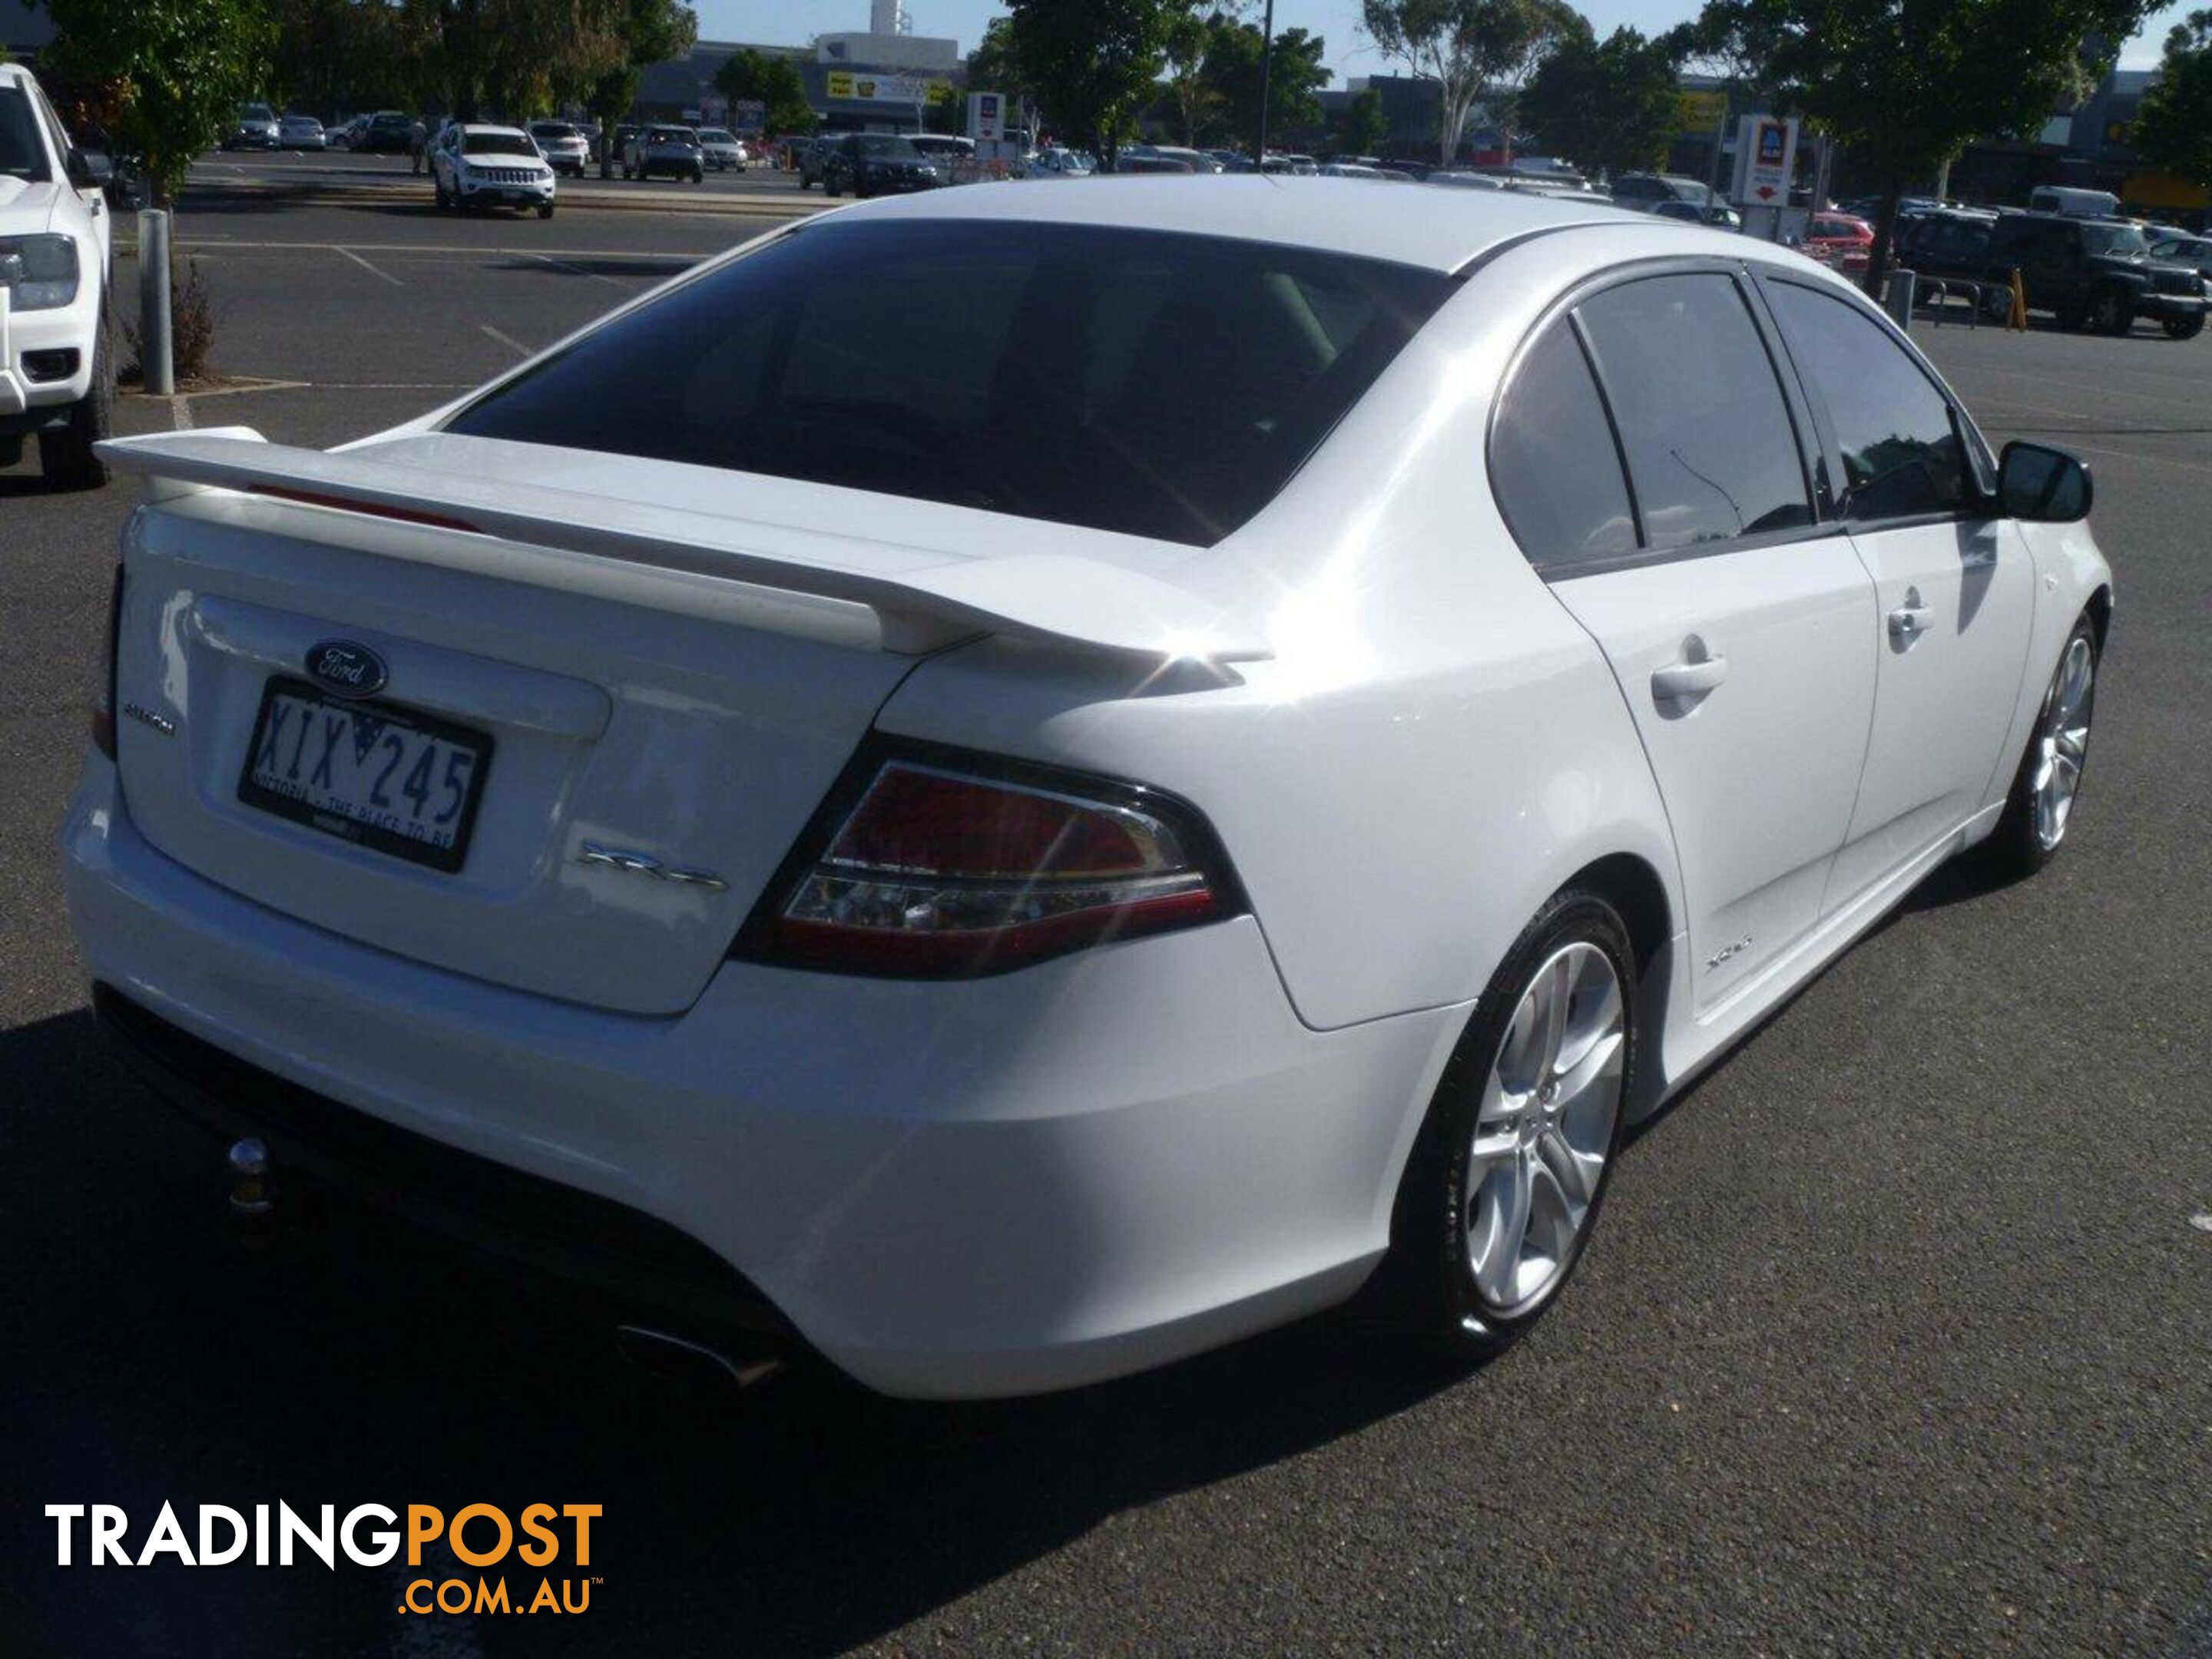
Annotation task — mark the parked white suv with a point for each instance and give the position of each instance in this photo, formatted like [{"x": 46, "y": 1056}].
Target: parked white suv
[
  {"x": 480, "y": 166},
  {"x": 57, "y": 380}
]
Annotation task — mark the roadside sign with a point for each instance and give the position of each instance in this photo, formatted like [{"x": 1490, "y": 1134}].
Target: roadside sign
[
  {"x": 986, "y": 117},
  {"x": 1765, "y": 160}
]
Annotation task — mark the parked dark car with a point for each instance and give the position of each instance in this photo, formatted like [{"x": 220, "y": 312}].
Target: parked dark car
[
  {"x": 2096, "y": 274},
  {"x": 388, "y": 132},
  {"x": 813, "y": 155},
  {"x": 1952, "y": 246},
  {"x": 1644, "y": 192},
  {"x": 877, "y": 164}
]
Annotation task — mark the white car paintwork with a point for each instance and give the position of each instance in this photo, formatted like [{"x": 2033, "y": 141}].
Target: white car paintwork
[
  {"x": 1407, "y": 740},
  {"x": 51, "y": 206}
]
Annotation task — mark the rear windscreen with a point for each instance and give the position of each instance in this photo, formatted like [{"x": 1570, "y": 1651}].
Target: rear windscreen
[{"x": 1162, "y": 385}]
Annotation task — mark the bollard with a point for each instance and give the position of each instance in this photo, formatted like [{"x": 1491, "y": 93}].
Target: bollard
[
  {"x": 157, "y": 356},
  {"x": 1898, "y": 301}
]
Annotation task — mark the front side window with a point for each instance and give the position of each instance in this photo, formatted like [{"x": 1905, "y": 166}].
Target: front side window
[
  {"x": 21, "y": 154},
  {"x": 1711, "y": 450},
  {"x": 1553, "y": 463},
  {"x": 1186, "y": 377},
  {"x": 2123, "y": 240},
  {"x": 1902, "y": 452}
]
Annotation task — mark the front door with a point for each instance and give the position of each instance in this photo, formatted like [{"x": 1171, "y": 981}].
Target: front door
[{"x": 1954, "y": 587}]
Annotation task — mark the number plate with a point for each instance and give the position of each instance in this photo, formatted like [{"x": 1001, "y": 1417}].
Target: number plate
[{"x": 387, "y": 778}]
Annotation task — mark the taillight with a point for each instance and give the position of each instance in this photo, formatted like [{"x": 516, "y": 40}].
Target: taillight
[
  {"x": 933, "y": 869},
  {"x": 103, "y": 699}
]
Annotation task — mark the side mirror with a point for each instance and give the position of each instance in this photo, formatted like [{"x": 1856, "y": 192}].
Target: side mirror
[
  {"x": 2042, "y": 485},
  {"x": 79, "y": 167}
]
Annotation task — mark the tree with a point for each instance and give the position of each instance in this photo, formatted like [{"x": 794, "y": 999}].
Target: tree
[
  {"x": 648, "y": 32},
  {"x": 1469, "y": 48},
  {"x": 1184, "y": 51},
  {"x": 948, "y": 110},
  {"x": 1905, "y": 83},
  {"x": 1363, "y": 126},
  {"x": 2173, "y": 123},
  {"x": 174, "y": 70},
  {"x": 775, "y": 83},
  {"x": 1294, "y": 79},
  {"x": 993, "y": 66},
  {"x": 339, "y": 56},
  {"x": 1090, "y": 64},
  {"x": 1607, "y": 104}
]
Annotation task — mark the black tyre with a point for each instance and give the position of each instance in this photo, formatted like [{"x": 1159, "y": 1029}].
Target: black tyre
[
  {"x": 66, "y": 458},
  {"x": 444, "y": 197},
  {"x": 545, "y": 209},
  {"x": 1506, "y": 1177},
  {"x": 2111, "y": 311},
  {"x": 2048, "y": 780},
  {"x": 2185, "y": 328}
]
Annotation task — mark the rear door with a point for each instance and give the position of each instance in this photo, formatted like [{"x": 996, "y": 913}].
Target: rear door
[
  {"x": 1955, "y": 586},
  {"x": 1651, "y": 465}
]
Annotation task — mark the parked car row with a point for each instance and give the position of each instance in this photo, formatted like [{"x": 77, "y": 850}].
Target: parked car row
[{"x": 2100, "y": 274}]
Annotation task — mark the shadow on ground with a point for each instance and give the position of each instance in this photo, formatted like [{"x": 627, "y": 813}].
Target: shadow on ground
[{"x": 351, "y": 1361}]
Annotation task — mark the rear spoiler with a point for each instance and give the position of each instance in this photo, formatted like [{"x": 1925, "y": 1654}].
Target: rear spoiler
[{"x": 924, "y": 600}]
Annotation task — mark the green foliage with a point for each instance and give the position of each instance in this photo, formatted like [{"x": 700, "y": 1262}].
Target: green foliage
[
  {"x": 1363, "y": 126},
  {"x": 334, "y": 56},
  {"x": 1904, "y": 85},
  {"x": 174, "y": 71},
  {"x": 2173, "y": 124},
  {"x": 1470, "y": 49},
  {"x": 946, "y": 111},
  {"x": 993, "y": 66},
  {"x": 1232, "y": 76},
  {"x": 1605, "y": 104},
  {"x": 776, "y": 83},
  {"x": 1091, "y": 64},
  {"x": 1184, "y": 51}
]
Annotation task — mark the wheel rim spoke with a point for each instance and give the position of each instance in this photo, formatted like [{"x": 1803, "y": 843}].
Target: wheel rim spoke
[
  {"x": 2064, "y": 744},
  {"x": 1544, "y": 1126}
]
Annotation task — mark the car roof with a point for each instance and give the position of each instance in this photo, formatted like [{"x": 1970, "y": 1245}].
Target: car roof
[
  {"x": 473, "y": 127},
  {"x": 1441, "y": 231}
]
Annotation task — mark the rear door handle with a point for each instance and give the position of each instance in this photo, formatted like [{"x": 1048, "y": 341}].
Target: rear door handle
[{"x": 1692, "y": 678}]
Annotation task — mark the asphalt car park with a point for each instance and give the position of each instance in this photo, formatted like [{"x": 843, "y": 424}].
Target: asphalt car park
[{"x": 1893, "y": 1339}]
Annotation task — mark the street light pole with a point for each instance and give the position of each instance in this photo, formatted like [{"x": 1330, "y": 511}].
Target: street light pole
[{"x": 1266, "y": 64}]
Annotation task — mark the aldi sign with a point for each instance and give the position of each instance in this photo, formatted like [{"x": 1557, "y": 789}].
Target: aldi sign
[{"x": 1766, "y": 161}]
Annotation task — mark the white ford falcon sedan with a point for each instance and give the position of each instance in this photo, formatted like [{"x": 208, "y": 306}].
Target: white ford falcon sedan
[{"x": 1006, "y": 785}]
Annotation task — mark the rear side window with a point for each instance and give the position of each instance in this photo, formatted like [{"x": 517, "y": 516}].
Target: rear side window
[
  {"x": 1553, "y": 463},
  {"x": 1902, "y": 454},
  {"x": 1711, "y": 449},
  {"x": 1177, "y": 382}
]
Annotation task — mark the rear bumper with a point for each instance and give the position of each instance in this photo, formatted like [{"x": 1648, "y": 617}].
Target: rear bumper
[{"x": 959, "y": 1188}]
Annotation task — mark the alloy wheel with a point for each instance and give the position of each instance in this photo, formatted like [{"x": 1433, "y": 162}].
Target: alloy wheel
[
  {"x": 1544, "y": 1127},
  {"x": 2063, "y": 743}
]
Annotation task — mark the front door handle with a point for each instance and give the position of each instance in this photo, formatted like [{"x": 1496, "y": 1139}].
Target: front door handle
[
  {"x": 1909, "y": 620},
  {"x": 1698, "y": 671}
]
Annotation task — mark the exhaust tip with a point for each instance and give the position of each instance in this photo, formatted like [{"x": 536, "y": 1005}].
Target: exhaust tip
[{"x": 679, "y": 1359}]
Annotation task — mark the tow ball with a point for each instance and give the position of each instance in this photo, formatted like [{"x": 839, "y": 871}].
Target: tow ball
[{"x": 252, "y": 1194}]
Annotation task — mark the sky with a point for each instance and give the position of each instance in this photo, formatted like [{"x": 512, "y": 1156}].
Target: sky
[{"x": 794, "y": 22}]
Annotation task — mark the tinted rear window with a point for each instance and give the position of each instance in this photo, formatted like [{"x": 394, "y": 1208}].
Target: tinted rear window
[{"x": 1181, "y": 380}]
